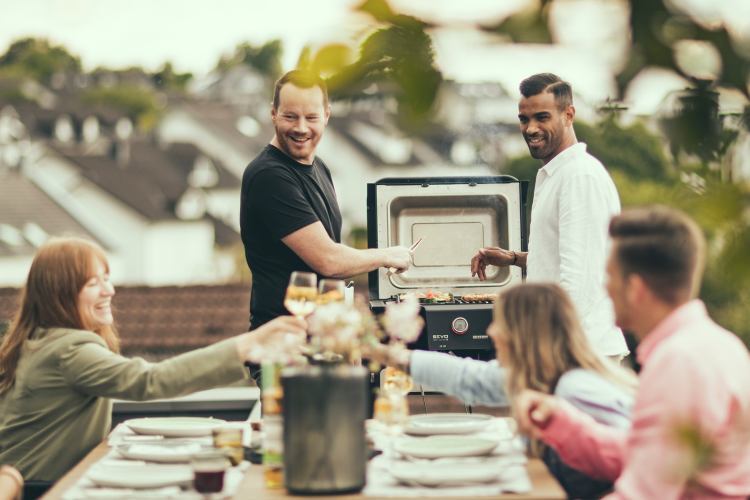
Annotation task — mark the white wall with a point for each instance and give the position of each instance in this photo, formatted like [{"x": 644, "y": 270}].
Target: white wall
[
  {"x": 179, "y": 126},
  {"x": 14, "y": 270},
  {"x": 224, "y": 204},
  {"x": 178, "y": 252}
]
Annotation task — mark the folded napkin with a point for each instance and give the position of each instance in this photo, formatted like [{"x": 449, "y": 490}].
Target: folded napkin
[
  {"x": 110, "y": 493},
  {"x": 164, "y": 451}
]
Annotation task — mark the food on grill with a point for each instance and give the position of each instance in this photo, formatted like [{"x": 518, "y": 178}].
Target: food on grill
[
  {"x": 479, "y": 297},
  {"x": 431, "y": 297}
]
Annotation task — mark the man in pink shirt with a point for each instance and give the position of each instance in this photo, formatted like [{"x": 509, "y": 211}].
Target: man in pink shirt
[{"x": 690, "y": 436}]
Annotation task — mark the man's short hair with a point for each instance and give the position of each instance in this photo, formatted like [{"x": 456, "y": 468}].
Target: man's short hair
[
  {"x": 302, "y": 79},
  {"x": 548, "y": 82},
  {"x": 664, "y": 247}
]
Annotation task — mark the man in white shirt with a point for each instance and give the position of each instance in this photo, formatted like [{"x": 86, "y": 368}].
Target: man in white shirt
[{"x": 574, "y": 199}]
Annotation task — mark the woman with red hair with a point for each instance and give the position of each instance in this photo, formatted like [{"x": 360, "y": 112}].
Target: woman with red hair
[{"x": 60, "y": 362}]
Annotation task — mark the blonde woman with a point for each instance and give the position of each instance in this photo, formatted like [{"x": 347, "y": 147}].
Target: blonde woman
[
  {"x": 59, "y": 362},
  {"x": 540, "y": 345}
]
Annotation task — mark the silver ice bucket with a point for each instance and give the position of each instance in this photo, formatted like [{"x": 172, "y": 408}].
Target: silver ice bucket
[{"x": 325, "y": 408}]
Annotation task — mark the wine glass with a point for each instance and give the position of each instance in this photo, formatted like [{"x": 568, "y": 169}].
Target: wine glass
[
  {"x": 395, "y": 380},
  {"x": 301, "y": 294},
  {"x": 330, "y": 290},
  {"x": 392, "y": 410}
]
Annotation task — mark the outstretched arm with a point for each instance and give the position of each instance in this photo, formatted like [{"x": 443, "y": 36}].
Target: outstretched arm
[{"x": 328, "y": 258}]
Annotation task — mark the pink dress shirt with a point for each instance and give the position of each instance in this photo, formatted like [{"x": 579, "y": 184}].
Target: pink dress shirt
[{"x": 696, "y": 375}]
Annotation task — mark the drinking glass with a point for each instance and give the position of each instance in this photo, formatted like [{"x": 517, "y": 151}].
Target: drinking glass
[
  {"x": 392, "y": 409},
  {"x": 301, "y": 294},
  {"x": 208, "y": 471},
  {"x": 229, "y": 438},
  {"x": 330, "y": 290},
  {"x": 393, "y": 380}
]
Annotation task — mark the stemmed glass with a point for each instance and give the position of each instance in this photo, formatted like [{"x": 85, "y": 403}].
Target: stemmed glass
[
  {"x": 301, "y": 294},
  {"x": 330, "y": 290},
  {"x": 392, "y": 410}
]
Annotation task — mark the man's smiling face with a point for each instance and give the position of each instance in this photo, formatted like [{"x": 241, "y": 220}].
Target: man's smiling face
[
  {"x": 544, "y": 125},
  {"x": 299, "y": 121}
]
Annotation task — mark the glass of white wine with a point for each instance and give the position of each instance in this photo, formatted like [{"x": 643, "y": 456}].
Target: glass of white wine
[
  {"x": 330, "y": 290},
  {"x": 301, "y": 294}
]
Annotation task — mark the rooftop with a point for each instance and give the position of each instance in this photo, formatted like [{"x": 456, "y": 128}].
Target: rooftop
[{"x": 155, "y": 322}]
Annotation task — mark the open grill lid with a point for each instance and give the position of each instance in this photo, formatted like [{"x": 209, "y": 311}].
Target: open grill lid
[{"x": 454, "y": 216}]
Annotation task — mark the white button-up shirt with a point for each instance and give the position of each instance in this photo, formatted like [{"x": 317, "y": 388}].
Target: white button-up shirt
[{"x": 574, "y": 200}]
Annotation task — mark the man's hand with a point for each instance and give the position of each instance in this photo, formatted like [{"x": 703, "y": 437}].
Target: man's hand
[
  {"x": 490, "y": 255},
  {"x": 283, "y": 334},
  {"x": 534, "y": 411},
  {"x": 397, "y": 259}
]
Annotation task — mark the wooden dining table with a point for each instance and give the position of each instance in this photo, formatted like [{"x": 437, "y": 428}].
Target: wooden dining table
[{"x": 544, "y": 486}]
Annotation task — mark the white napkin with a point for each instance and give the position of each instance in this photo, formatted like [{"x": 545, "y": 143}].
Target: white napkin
[{"x": 164, "y": 451}]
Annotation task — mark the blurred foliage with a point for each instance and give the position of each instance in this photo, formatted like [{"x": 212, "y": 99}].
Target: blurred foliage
[
  {"x": 266, "y": 59},
  {"x": 138, "y": 103},
  {"x": 38, "y": 59},
  {"x": 698, "y": 448},
  {"x": 397, "y": 57},
  {"x": 168, "y": 79},
  {"x": 530, "y": 25},
  {"x": 697, "y": 137}
]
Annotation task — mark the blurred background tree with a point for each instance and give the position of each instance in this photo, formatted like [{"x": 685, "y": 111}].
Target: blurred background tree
[
  {"x": 266, "y": 58},
  {"x": 38, "y": 59},
  {"x": 684, "y": 164}
]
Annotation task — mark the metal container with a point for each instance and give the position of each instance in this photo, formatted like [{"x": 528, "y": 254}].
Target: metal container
[
  {"x": 325, "y": 408},
  {"x": 454, "y": 216}
]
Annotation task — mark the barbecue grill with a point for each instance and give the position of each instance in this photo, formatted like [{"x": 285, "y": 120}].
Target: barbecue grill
[{"x": 454, "y": 217}]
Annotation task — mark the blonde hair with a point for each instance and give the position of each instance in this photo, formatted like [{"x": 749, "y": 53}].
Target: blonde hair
[
  {"x": 60, "y": 269},
  {"x": 544, "y": 339}
]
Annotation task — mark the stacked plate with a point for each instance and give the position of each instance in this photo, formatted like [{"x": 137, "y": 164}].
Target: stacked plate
[
  {"x": 435, "y": 453},
  {"x": 175, "y": 426},
  {"x": 140, "y": 476},
  {"x": 160, "y": 451},
  {"x": 445, "y": 446},
  {"x": 432, "y": 424}
]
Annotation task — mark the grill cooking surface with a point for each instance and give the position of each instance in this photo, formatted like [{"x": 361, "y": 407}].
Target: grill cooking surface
[{"x": 457, "y": 299}]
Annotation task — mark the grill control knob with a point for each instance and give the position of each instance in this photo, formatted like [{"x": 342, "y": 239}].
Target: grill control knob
[{"x": 459, "y": 325}]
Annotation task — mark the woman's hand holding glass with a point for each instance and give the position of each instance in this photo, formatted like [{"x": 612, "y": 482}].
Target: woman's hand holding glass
[{"x": 283, "y": 334}]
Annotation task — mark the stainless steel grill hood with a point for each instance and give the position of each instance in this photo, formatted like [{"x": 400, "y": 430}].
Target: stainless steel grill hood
[{"x": 454, "y": 216}]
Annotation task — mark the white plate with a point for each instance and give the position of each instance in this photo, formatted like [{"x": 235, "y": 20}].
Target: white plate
[
  {"x": 175, "y": 426},
  {"x": 140, "y": 476},
  {"x": 160, "y": 452},
  {"x": 445, "y": 473},
  {"x": 447, "y": 423},
  {"x": 445, "y": 446}
]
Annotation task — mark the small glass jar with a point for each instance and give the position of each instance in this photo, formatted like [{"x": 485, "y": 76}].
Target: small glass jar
[
  {"x": 208, "y": 470},
  {"x": 229, "y": 439}
]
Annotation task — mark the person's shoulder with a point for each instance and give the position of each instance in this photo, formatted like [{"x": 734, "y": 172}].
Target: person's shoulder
[
  {"x": 322, "y": 164},
  {"x": 266, "y": 168},
  {"x": 63, "y": 338},
  {"x": 577, "y": 377},
  {"x": 587, "y": 164},
  {"x": 577, "y": 380},
  {"x": 691, "y": 345}
]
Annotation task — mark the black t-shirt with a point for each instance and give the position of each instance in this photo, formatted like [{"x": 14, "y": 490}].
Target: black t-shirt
[{"x": 280, "y": 196}]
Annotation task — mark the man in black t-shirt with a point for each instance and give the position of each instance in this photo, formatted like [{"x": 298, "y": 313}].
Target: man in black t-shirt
[{"x": 289, "y": 217}]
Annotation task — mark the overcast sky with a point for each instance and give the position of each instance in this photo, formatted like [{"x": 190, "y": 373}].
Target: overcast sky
[{"x": 193, "y": 34}]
